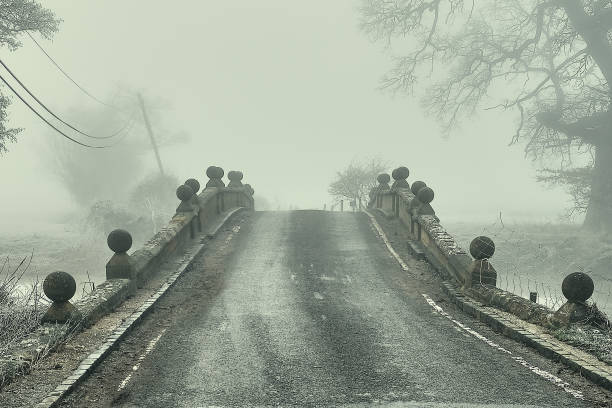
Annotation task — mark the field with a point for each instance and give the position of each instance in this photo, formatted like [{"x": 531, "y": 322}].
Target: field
[
  {"x": 55, "y": 247},
  {"x": 536, "y": 257}
]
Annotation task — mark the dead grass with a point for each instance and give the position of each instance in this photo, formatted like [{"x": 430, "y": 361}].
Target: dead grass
[
  {"x": 21, "y": 306},
  {"x": 594, "y": 335}
]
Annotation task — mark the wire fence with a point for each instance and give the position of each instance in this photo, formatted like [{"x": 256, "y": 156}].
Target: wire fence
[{"x": 535, "y": 258}]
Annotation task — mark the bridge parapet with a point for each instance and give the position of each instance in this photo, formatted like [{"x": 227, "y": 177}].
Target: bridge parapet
[
  {"x": 475, "y": 275},
  {"x": 196, "y": 217},
  {"x": 412, "y": 205}
]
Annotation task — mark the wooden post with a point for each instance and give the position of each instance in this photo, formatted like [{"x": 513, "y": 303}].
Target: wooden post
[{"x": 150, "y": 132}]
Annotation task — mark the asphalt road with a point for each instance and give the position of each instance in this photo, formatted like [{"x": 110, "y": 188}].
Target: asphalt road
[{"x": 309, "y": 308}]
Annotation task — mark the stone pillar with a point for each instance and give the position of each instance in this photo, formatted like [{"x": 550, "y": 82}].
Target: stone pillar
[
  {"x": 414, "y": 203},
  {"x": 60, "y": 287},
  {"x": 195, "y": 200},
  {"x": 383, "y": 186},
  {"x": 120, "y": 265},
  {"x": 577, "y": 288},
  {"x": 215, "y": 174},
  {"x": 186, "y": 195},
  {"x": 235, "y": 178},
  {"x": 481, "y": 271}
]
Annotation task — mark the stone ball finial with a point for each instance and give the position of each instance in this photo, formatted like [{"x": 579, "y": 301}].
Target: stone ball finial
[
  {"x": 251, "y": 190},
  {"x": 425, "y": 195},
  {"x": 119, "y": 241},
  {"x": 59, "y": 286},
  {"x": 482, "y": 248},
  {"x": 215, "y": 172},
  {"x": 235, "y": 178},
  {"x": 194, "y": 184},
  {"x": 416, "y": 186},
  {"x": 401, "y": 173},
  {"x": 235, "y": 175},
  {"x": 577, "y": 287},
  {"x": 394, "y": 175},
  {"x": 184, "y": 192},
  {"x": 383, "y": 178}
]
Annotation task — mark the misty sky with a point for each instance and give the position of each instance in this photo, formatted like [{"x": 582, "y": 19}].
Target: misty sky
[{"x": 284, "y": 91}]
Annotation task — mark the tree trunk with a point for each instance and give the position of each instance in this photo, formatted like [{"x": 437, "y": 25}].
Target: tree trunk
[{"x": 599, "y": 211}]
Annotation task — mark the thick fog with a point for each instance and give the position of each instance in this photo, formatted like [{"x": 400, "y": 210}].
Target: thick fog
[{"x": 287, "y": 92}]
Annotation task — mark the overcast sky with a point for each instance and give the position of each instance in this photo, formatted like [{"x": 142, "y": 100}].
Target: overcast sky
[{"x": 285, "y": 91}]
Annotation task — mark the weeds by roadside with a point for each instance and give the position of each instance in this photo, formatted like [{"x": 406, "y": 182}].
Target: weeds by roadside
[
  {"x": 21, "y": 306},
  {"x": 593, "y": 335}
]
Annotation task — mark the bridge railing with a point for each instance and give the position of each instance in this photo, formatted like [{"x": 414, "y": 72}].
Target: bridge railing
[
  {"x": 474, "y": 275},
  {"x": 412, "y": 205},
  {"x": 193, "y": 220}
]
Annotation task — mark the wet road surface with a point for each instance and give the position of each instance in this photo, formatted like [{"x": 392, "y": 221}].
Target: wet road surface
[{"x": 309, "y": 308}]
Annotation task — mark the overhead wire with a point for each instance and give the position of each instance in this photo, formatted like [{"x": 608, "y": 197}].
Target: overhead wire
[
  {"x": 57, "y": 117},
  {"x": 68, "y": 76},
  {"x": 47, "y": 122}
]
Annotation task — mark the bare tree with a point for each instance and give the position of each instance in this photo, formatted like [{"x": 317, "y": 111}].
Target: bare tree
[
  {"x": 549, "y": 61},
  {"x": 16, "y": 18},
  {"x": 356, "y": 181}
]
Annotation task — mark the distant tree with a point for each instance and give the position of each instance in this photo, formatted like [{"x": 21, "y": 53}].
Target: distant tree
[
  {"x": 17, "y": 17},
  {"x": 548, "y": 60},
  {"x": 92, "y": 175},
  {"x": 356, "y": 181}
]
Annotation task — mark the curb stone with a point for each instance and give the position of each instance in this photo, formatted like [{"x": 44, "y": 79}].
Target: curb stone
[
  {"x": 94, "y": 359},
  {"x": 549, "y": 347}
]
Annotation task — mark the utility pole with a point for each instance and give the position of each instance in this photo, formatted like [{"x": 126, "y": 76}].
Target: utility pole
[{"x": 150, "y": 131}]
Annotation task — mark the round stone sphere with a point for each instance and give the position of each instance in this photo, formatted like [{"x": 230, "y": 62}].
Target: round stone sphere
[
  {"x": 119, "y": 241},
  {"x": 383, "y": 178},
  {"x": 425, "y": 195},
  {"x": 184, "y": 192},
  {"x": 215, "y": 172},
  {"x": 577, "y": 287},
  {"x": 394, "y": 175},
  {"x": 416, "y": 186},
  {"x": 194, "y": 184},
  {"x": 59, "y": 286},
  {"x": 482, "y": 248},
  {"x": 235, "y": 175},
  {"x": 401, "y": 173}
]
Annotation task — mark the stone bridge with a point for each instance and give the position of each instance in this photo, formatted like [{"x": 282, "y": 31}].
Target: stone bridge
[{"x": 227, "y": 306}]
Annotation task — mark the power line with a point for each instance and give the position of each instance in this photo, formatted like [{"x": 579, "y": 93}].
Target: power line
[
  {"x": 57, "y": 117},
  {"x": 46, "y": 121},
  {"x": 68, "y": 76}
]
